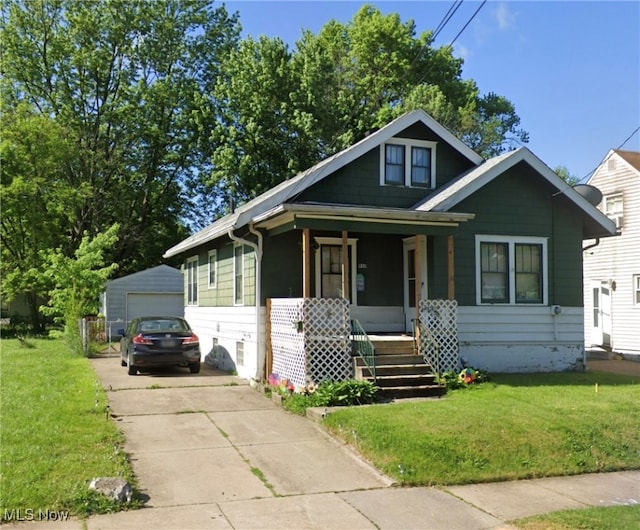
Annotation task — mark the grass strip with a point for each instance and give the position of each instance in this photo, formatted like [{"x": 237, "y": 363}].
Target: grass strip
[
  {"x": 515, "y": 427},
  {"x": 600, "y": 518},
  {"x": 55, "y": 432}
]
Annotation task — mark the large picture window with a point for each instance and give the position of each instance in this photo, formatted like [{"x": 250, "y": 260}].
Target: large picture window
[
  {"x": 405, "y": 162},
  {"x": 192, "y": 281},
  {"x": 511, "y": 270}
]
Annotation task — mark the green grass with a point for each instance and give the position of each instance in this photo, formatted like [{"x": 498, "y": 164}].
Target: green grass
[
  {"x": 606, "y": 518},
  {"x": 515, "y": 427},
  {"x": 55, "y": 433}
]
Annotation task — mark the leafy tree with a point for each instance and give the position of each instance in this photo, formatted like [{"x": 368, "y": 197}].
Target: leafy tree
[
  {"x": 78, "y": 281},
  {"x": 37, "y": 202},
  {"x": 130, "y": 81},
  {"x": 564, "y": 173},
  {"x": 281, "y": 111}
]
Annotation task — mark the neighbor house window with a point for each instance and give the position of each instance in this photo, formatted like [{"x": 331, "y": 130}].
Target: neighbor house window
[
  {"x": 511, "y": 270},
  {"x": 636, "y": 289},
  {"x": 213, "y": 268},
  {"x": 238, "y": 272},
  {"x": 613, "y": 208},
  {"x": 192, "y": 281},
  {"x": 405, "y": 162}
]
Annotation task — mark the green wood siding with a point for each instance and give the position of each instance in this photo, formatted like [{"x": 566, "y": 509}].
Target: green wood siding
[
  {"x": 223, "y": 295},
  {"x": 282, "y": 266},
  {"x": 518, "y": 203},
  {"x": 382, "y": 256},
  {"x": 359, "y": 182}
]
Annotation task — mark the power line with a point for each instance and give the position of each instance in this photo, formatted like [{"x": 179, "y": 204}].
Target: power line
[
  {"x": 468, "y": 22},
  {"x": 609, "y": 154}
]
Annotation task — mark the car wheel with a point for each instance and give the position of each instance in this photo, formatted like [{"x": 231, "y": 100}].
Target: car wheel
[
  {"x": 194, "y": 368},
  {"x": 132, "y": 370}
]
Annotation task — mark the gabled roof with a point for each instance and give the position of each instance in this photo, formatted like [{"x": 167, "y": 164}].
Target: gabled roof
[
  {"x": 145, "y": 272},
  {"x": 290, "y": 188},
  {"x": 474, "y": 179},
  {"x": 630, "y": 157}
]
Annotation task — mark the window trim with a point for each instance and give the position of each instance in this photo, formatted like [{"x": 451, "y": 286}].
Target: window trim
[
  {"x": 190, "y": 269},
  {"x": 235, "y": 274},
  {"x": 408, "y": 144},
  {"x": 511, "y": 242},
  {"x": 212, "y": 253},
  {"x": 336, "y": 241},
  {"x": 618, "y": 219}
]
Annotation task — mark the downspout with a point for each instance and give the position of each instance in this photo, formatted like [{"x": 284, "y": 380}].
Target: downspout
[
  {"x": 592, "y": 245},
  {"x": 257, "y": 248}
]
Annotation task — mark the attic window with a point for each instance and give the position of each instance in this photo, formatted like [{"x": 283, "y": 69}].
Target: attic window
[
  {"x": 613, "y": 208},
  {"x": 406, "y": 162}
]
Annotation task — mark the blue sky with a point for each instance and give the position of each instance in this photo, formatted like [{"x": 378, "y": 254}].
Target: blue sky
[{"x": 572, "y": 69}]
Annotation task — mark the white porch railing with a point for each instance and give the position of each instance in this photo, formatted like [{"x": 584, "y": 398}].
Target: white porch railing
[{"x": 310, "y": 339}]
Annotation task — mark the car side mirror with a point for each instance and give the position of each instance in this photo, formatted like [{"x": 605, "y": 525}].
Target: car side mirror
[{"x": 121, "y": 332}]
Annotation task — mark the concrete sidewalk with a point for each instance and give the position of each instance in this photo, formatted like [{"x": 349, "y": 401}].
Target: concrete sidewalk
[{"x": 210, "y": 452}]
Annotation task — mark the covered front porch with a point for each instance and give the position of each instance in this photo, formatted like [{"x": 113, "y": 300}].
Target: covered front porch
[{"x": 311, "y": 340}]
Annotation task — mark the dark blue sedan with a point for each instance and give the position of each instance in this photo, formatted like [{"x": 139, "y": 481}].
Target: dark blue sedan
[{"x": 151, "y": 342}]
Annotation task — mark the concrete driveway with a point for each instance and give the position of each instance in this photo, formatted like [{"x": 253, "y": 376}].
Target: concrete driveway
[{"x": 211, "y": 452}]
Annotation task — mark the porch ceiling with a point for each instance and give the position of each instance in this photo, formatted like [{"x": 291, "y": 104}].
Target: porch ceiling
[{"x": 362, "y": 218}]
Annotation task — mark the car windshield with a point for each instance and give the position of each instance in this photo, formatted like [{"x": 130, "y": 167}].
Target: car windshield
[{"x": 163, "y": 325}]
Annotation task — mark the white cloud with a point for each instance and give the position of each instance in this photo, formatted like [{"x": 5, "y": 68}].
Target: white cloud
[
  {"x": 461, "y": 51},
  {"x": 505, "y": 18}
]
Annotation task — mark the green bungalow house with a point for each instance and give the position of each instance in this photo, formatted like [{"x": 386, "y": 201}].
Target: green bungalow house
[{"x": 407, "y": 232}]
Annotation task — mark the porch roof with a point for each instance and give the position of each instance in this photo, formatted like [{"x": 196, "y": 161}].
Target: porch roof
[{"x": 289, "y": 213}]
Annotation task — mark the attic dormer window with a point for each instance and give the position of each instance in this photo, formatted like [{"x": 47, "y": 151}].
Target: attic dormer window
[{"x": 406, "y": 162}]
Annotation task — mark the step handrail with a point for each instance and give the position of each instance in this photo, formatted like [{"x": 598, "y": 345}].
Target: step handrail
[
  {"x": 363, "y": 347},
  {"x": 427, "y": 345}
]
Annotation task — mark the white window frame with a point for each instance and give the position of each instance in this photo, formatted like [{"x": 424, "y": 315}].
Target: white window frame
[
  {"x": 212, "y": 254},
  {"x": 636, "y": 290},
  {"x": 511, "y": 242},
  {"x": 617, "y": 217},
  {"x": 192, "y": 270},
  {"x": 408, "y": 143},
  {"x": 235, "y": 274},
  {"x": 336, "y": 241}
]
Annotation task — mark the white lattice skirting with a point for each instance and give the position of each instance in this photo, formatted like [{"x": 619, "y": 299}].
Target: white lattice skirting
[
  {"x": 310, "y": 339},
  {"x": 439, "y": 344}
]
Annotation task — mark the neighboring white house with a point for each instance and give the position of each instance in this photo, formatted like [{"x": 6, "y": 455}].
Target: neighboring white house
[
  {"x": 612, "y": 265},
  {"x": 155, "y": 291}
]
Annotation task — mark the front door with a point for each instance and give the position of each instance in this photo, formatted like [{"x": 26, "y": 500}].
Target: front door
[
  {"x": 601, "y": 314},
  {"x": 412, "y": 256}
]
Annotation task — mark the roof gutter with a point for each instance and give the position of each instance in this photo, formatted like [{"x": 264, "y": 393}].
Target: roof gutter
[{"x": 257, "y": 248}]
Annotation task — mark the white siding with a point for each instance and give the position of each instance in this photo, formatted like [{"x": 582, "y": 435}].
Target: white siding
[
  {"x": 231, "y": 325},
  {"x": 616, "y": 259},
  {"x": 521, "y": 338}
]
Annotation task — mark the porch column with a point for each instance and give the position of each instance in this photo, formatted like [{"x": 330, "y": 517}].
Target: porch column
[
  {"x": 306, "y": 263},
  {"x": 419, "y": 257},
  {"x": 451, "y": 281},
  {"x": 345, "y": 265}
]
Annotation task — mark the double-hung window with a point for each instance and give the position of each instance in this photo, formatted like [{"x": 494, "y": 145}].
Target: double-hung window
[
  {"x": 511, "y": 270},
  {"x": 213, "y": 268},
  {"x": 192, "y": 281},
  {"x": 636, "y": 290},
  {"x": 613, "y": 208},
  {"x": 405, "y": 162},
  {"x": 238, "y": 272}
]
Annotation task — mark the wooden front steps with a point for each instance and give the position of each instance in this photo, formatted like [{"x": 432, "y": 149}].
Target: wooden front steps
[{"x": 400, "y": 373}]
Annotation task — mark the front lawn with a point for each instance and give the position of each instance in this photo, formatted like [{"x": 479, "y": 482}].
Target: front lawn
[
  {"x": 55, "y": 432},
  {"x": 514, "y": 427}
]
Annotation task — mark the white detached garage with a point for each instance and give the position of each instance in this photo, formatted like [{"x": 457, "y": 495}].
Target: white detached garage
[{"x": 158, "y": 291}]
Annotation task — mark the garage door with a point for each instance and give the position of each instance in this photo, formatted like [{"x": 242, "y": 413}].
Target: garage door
[{"x": 154, "y": 304}]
